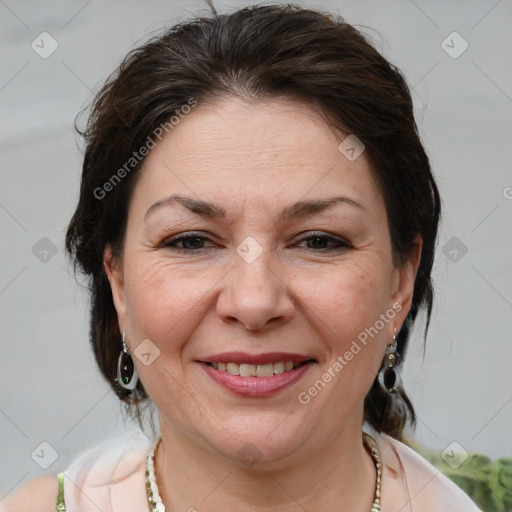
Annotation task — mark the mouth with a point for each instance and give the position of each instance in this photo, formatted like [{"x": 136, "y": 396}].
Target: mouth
[
  {"x": 256, "y": 376},
  {"x": 258, "y": 370}
]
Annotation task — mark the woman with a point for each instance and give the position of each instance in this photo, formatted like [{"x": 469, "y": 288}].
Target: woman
[{"x": 258, "y": 219}]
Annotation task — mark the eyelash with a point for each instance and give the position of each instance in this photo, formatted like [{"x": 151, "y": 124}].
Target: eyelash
[{"x": 170, "y": 242}]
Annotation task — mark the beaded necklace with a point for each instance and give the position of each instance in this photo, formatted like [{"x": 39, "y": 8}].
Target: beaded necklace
[{"x": 155, "y": 501}]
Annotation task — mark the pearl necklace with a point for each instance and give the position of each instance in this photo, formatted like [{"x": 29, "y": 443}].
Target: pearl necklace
[{"x": 155, "y": 501}]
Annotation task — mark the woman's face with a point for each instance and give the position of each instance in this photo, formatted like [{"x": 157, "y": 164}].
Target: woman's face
[{"x": 258, "y": 277}]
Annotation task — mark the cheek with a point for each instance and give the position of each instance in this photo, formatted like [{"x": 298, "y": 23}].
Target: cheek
[
  {"x": 348, "y": 299},
  {"x": 350, "y": 305},
  {"x": 162, "y": 302},
  {"x": 351, "y": 302}
]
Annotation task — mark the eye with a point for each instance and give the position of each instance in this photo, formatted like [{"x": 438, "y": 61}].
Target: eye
[
  {"x": 320, "y": 241},
  {"x": 188, "y": 241},
  {"x": 193, "y": 242}
]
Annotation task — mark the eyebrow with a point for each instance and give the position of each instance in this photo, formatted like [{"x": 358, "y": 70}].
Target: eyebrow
[{"x": 213, "y": 211}]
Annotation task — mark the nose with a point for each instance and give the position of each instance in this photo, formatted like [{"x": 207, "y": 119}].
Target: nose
[{"x": 255, "y": 295}]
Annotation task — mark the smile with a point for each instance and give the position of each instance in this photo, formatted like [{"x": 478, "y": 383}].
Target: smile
[
  {"x": 249, "y": 379},
  {"x": 256, "y": 370}
]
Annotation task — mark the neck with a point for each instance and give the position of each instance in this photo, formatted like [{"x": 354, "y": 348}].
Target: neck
[{"x": 340, "y": 477}]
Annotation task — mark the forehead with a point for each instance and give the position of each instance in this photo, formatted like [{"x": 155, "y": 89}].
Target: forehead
[{"x": 254, "y": 154}]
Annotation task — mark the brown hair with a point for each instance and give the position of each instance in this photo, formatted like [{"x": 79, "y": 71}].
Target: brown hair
[{"x": 255, "y": 53}]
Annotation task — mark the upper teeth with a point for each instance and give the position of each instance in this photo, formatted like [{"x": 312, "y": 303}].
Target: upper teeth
[{"x": 256, "y": 370}]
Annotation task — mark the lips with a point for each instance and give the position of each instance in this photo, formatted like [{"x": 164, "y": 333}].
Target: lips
[
  {"x": 243, "y": 357},
  {"x": 256, "y": 375}
]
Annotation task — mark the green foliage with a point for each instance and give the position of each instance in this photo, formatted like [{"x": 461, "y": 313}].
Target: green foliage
[{"x": 488, "y": 483}]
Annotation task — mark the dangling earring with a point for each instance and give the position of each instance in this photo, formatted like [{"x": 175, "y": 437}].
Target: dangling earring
[
  {"x": 389, "y": 375},
  {"x": 127, "y": 377}
]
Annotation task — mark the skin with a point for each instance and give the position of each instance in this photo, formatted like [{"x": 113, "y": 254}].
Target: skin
[{"x": 254, "y": 159}]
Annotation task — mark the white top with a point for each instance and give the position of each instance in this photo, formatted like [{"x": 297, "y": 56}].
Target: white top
[{"x": 111, "y": 478}]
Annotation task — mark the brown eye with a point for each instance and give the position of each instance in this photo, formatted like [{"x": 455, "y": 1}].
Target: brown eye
[
  {"x": 324, "y": 242},
  {"x": 189, "y": 242}
]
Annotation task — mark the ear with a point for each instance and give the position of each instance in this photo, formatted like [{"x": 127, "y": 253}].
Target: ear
[
  {"x": 115, "y": 275},
  {"x": 402, "y": 287}
]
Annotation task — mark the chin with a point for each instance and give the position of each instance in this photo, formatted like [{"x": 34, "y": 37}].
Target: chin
[{"x": 264, "y": 443}]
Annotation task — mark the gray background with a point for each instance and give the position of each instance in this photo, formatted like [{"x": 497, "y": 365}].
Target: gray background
[{"x": 50, "y": 390}]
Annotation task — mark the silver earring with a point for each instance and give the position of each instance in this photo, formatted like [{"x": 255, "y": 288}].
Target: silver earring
[
  {"x": 389, "y": 375},
  {"x": 127, "y": 377}
]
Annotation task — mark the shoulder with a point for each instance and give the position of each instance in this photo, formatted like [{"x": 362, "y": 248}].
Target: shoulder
[
  {"x": 111, "y": 458},
  {"x": 427, "y": 488},
  {"x": 39, "y": 494},
  {"x": 111, "y": 475},
  {"x": 110, "y": 472}
]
